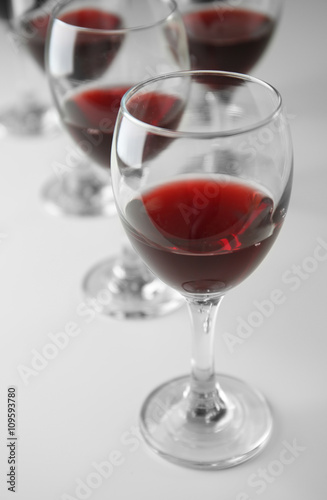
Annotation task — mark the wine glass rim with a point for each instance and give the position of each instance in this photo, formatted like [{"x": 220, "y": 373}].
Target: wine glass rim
[
  {"x": 114, "y": 31},
  {"x": 202, "y": 134}
]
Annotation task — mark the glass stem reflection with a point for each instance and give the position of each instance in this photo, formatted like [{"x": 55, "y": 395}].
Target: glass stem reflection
[{"x": 205, "y": 398}]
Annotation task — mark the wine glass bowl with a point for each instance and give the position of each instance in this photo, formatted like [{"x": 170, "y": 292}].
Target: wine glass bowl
[
  {"x": 96, "y": 41},
  {"x": 96, "y": 51},
  {"x": 83, "y": 42},
  {"x": 227, "y": 36},
  {"x": 33, "y": 112},
  {"x": 203, "y": 225}
]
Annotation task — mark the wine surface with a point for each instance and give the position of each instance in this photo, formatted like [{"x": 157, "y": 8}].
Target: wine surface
[
  {"x": 90, "y": 118},
  {"x": 228, "y": 39},
  {"x": 91, "y": 115},
  {"x": 202, "y": 235}
]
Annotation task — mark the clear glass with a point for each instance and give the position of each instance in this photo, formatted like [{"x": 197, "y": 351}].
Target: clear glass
[
  {"x": 202, "y": 224},
  {"x": 228, "y": 35},
  {"x": 32, "y": 112},
  {"x": 96, "y": 51}
]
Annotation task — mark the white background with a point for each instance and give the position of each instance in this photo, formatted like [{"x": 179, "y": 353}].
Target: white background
[{"x": 82, "y": 408}]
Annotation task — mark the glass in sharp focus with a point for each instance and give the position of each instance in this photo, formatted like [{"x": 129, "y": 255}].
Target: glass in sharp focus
[{"x": 203, "y": 225}]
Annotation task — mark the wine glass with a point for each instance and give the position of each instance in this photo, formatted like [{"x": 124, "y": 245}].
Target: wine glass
[
  {"x": 80, "y": 187},
  {"x": 228, "y": 36},
  {"x": 203, "y": 228},
  {"x": 32, "y": 113},
  {"x": 97, "y": 50}
]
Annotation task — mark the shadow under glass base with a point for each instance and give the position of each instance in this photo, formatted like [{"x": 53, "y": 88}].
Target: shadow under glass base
[
  {"x": 173, "y": 431},
  {"x": 87, "y": 195},
  {"x": 112, "y": 291}
]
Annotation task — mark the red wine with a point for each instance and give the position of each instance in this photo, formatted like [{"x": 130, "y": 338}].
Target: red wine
[
  {"x": 202, "y": 235},
  {"x": 159, "y": 110},
  {"x": 228, "y": 39},
  {"x": 90, "y": 117},
  {"x": 93, "y": 51}
]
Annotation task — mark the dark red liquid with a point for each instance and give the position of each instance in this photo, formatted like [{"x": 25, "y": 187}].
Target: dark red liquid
[
  {"x": 227, "y": 39},
  {"x": 34, "y": 32},
  {"x": 90, "y": 117},
  {"x": 201, "y": 235},
  {"x": 159, "y": 110},
  {"x": 93, "y": 52}
]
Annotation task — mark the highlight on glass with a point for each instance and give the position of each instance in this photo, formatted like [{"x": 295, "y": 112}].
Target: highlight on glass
[{"x": 203, "y": 206}]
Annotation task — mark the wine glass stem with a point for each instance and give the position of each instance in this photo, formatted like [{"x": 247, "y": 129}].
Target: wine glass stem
[
  {"x": 129, "y": 265},
  {"x": 205, "y": 398},
  {"x": 224, "y": 100}
]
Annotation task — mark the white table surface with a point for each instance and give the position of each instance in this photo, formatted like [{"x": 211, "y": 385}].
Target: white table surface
[{"x": 82, "y": 408}]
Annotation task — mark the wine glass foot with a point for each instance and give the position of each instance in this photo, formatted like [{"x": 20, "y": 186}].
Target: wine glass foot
[
  {"x": 185, "y": 438},
  {"x": 87, "y": 198},
  {"x": 29, "y": 120},
  {"x": 111, "y": 291}
]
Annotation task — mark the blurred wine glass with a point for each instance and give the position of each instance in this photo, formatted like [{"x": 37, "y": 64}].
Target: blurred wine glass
[
  {"x": 228, "y": 35},
  {"x": 31, "y": 111},
  {"x": 98, "y": 49}
]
